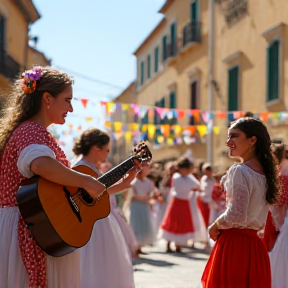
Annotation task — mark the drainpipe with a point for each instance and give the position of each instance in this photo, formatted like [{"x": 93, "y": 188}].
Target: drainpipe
[{"x": 209, "y": 143}]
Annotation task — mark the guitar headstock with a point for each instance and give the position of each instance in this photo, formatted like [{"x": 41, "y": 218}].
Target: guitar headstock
[{"x": 142, "y": 153}]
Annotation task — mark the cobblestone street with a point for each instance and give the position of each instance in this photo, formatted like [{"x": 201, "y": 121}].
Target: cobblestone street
[{"x": 158, "y": 269}]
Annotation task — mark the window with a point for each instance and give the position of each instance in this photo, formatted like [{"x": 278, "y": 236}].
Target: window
[
  {"x": 164, "y": 48},
  {"x": 142, "y": 73},
  {"x": 193, "y": 100},
  {"x": 173, "y": 37},
  {"x": 194, "y": 10},
  {"x": 273, "y": 71},
  {"x": 233, "y": 78},
  {"x": 173, "y": 104},
  {"x": 148, "y": 66},
  {"x": 172, "y": 97},
  {"x": 156, "y": 59}
]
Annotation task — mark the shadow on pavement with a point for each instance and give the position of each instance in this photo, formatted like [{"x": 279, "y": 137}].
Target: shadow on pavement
[{"x": 158, "y": 263}]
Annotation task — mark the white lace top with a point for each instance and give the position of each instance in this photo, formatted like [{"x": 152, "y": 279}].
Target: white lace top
[{"x": 245, "y": 195}]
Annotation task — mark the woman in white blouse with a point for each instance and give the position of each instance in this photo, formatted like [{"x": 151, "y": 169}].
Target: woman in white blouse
[{"x": 239, "y": 257}]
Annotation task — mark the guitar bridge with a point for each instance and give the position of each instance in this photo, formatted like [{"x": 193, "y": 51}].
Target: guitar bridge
[{"x": 73, "y": 204}]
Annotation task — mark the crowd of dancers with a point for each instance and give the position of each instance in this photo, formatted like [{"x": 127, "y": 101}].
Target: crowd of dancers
[{"x": 243, "y": 209}]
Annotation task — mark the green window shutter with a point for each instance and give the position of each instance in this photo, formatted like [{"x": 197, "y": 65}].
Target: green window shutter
[
  {"x": 142, "y": 73},
  {"x": 194, "y": 10},
  {"x": 164, "y": 48},
  {"x": 172, "y": 100},
  {"x": 273, "y": 71},
  {"x": 173, "y": 104},
  {"x": 156, "y": 59},
  {"x": 148, "y": 66},
  {"x": 162, "y": 102},
  {"x": 233, "y": 76},
  {"x": 173, "y": 32}
]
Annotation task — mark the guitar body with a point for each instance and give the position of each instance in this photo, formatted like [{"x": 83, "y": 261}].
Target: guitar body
[
  {"x": 56, "y": 227},
  {"x": 60, "y": 218}
]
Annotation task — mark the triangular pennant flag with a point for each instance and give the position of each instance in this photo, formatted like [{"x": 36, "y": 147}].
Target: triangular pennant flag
[
  {"x": 181, "y": 113},
  {"x": 191, "y": 129},
  {"x": 264, "y": 116},
  {"x": 177, "y": 129},
  {"x": 89, "y": 119},
  {"x": 202, "y": 129},
  {"x": 221, "y": 115},
  {"x": 151, "y": 131},
  {"x": 128, "y": 137},
  {"x": 238, "y": 114},
  {"x": 108, "y": 124},
  {"x": 216, "y": 130},
  {"x": 165, "y": 129},
  {"x": 117, "y": 127},
  {"x": 84, "y": 102}
]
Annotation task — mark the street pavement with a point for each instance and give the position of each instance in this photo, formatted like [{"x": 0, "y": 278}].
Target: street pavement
[{"x": 158, "y": 269}]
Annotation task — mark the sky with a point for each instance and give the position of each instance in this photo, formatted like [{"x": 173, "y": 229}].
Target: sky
[{"x": 94, "y": 39}]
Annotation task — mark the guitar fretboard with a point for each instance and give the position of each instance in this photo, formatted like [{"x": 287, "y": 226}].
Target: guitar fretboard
[{"x": 116, "y": 173}]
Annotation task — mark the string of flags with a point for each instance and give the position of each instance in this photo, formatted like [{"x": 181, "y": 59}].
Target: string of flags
[{"x": 160, "y": 124}]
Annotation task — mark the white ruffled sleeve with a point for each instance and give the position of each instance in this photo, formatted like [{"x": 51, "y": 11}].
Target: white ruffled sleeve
[
  {"x": 238, "y": 196},
  {"x": 28, "y": 154}
]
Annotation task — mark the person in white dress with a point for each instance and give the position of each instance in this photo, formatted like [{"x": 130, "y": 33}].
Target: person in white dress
[
  {"x": 104, "y": 261},
  {"x": 279, "y": 253},
  {"x": 239, "y": 257},
  {"x": 27, "y": 148},
  {"x": 141, "y": 220}
]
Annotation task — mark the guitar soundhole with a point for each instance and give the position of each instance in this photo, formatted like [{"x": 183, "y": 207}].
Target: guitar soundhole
[{"x": 85, "y": 197}]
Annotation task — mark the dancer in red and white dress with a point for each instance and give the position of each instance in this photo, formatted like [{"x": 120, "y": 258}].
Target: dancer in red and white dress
[
  {"x": 177, "y": 225},
  {"x": 279, "y": 253},
  {"x": 27, "y": 148},
  {"x": 239, "y": 258}
]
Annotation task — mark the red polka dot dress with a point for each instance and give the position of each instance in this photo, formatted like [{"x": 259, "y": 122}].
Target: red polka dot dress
[{"x": 22, "y": 263}]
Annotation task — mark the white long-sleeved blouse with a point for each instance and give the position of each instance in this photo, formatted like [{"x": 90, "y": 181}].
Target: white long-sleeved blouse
[{"x": 246, "y": 201}]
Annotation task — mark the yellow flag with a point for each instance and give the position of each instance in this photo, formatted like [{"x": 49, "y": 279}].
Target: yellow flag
[
  {"x": 151, "y": 131},
  {"x": 216, "y": 130},
  {"x": 128, "y": 137},
  {"x": 117, "y": 127},
  {"x": 202, "y": 129}
]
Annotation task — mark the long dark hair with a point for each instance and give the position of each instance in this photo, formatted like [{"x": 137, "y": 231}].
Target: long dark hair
[
  {"x": 89, "y": 138},
  {"x": 254, "y": 127},
  {"x": 19, "y": 106}
]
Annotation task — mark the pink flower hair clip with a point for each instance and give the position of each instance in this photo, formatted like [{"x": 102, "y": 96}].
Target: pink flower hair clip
[{"x": 30, "y": 77}]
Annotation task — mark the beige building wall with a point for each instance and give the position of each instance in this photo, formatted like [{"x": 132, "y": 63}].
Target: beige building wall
[
  {"x": 17, "y": 15},
  {"x": 36, "y": 57},
  {"x": 244, "y": 44},
  {"x": 242, "y": 41},
  {"x": 176, "y": 73}
]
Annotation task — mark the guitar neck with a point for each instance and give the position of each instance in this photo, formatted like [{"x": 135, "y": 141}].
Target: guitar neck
[{"x": 116, "y": 173}]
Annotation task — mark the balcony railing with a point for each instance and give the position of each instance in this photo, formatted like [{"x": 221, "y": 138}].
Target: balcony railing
[
  {"x": 8, "y": 66},
  {"x": 170, "y": 50},
  {"x": 192, "y": 33}
]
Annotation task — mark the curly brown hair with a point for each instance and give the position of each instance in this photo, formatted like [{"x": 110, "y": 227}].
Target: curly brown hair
[
  {"x": 254, "y": 127},
  {"x": 19, "y": 106},
  {"x": 89, "y": 138}
]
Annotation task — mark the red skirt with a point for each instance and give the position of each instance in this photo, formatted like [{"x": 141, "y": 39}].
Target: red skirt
[
  {"x": 239, "y": 259},
  {"x": 270, "y": 233},
  {"x": 178, "y": 218},
  {"x": 205, "y": 210}
]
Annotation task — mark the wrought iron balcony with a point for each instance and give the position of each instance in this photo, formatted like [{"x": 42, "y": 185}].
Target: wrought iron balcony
[
  {"x": 192, "y": 33},
  {"x": 8, "y": 66},
  {"x": 170, "y": 50}
]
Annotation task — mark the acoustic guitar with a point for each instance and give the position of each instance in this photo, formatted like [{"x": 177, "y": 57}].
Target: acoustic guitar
[{"x": 61, "y": 218}]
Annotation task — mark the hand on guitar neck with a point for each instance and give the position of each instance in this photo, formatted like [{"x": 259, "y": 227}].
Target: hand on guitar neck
[{"x": 122, "y": 184}]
